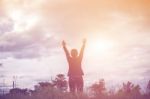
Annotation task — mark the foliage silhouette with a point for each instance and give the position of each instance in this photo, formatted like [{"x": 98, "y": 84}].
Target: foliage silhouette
[{"x": 57, "y": 89}]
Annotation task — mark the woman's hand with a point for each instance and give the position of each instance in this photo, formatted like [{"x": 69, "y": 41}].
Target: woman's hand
[
  {"x": 63, "y": 43},
  {"x": 84, "y": 41}
]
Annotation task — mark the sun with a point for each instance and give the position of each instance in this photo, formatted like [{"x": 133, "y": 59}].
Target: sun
[{"x": 100, "y": 46}]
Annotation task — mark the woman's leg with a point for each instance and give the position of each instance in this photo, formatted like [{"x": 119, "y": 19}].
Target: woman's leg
[
  {"x": 80, "y": 84},
  {"x": 72, "y": 84}
]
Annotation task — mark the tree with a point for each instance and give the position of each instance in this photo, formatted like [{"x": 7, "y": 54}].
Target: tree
[
  {"x": 60, "y": 82},
  {"x": 148, "y": 88},
  {"x": 127, "y": 87},
  {"x": 98, "y": 88},
  {"x": 130, "y": 88},
  {"x": 19, "y": 91}
]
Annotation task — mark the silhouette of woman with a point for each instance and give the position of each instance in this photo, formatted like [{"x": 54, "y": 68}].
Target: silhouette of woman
[{"x": 75, "y": 71}]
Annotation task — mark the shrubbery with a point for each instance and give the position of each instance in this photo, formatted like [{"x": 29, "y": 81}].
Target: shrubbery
[{"x": 57, "y": 89}]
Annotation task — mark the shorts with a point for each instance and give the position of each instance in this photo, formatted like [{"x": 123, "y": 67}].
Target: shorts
[{"x": 76, "y": 84}]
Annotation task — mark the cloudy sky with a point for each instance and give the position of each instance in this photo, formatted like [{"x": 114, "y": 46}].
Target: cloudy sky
[{"x": 117, "y": 33}]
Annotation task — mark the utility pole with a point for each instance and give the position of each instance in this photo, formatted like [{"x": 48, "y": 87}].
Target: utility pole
[
  {"x": 14, "y": 82},
  {"x": 3, "y": 87},
  {"x": 13, "y": 85}
]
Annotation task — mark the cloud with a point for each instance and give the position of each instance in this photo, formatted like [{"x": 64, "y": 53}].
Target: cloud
[
  {"x": 75, "y": 17},
  {"x": 26, "y": 45},
  {"x": 1, "y": 64},
  {"x": 70, "y": 20},
  {"x": 6, "y": 25},
  {"x": 21, "y": 37}
]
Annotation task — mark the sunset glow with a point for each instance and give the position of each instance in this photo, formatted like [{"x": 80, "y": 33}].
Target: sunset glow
[
  {"x": 99, "y": 46},
  {"x": 117, "y": 33}
]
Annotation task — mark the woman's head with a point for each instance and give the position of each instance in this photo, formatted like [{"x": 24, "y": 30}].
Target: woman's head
[{"x": 74, "y": 53}]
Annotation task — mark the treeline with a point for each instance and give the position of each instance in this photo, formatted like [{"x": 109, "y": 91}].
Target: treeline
[{"x": 57, "y": 89}]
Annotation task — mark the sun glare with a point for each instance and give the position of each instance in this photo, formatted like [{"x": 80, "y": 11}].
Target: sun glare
[{"x": 100, "y": 46}]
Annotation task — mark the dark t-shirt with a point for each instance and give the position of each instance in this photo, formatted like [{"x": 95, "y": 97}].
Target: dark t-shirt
[{"x": 75, "y": 68}]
